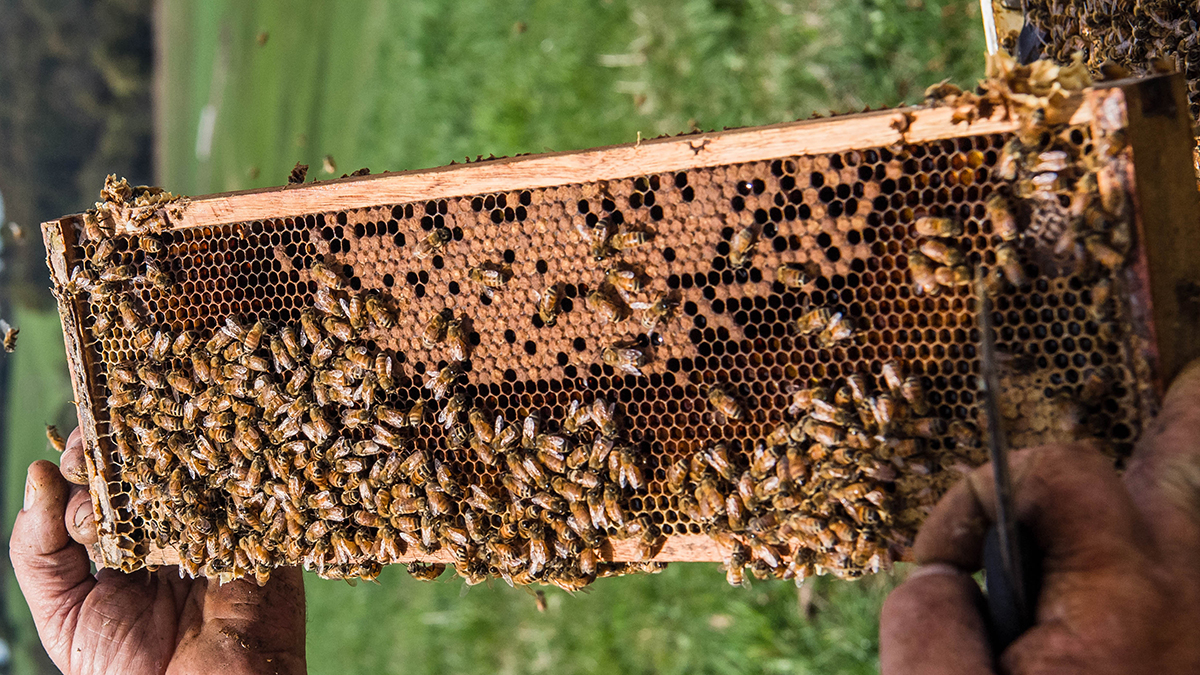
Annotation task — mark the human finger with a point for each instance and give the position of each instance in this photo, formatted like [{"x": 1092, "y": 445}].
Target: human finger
[
  {"x": 1069, "y": 496},
  {"x": 52, "y": 570},
  {"x": 246, "y": 628},
  {"x": 1164, "y": 473},
  {"x": 71, "y": 463},
  {"x": 931, "y": 625},
  {"x": 80, "y": 518}
]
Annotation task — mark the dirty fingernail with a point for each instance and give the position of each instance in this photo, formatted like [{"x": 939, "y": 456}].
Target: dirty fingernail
[
  {"x": 81, "y": 515},
  {"x": 30, "y": 492}
]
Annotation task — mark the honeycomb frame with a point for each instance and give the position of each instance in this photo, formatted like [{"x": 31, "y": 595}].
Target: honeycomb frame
[{"x": 877, "y": 173}]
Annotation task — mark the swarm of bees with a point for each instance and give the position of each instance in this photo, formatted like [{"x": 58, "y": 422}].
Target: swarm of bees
[
  {"x": 125, "y": 208},
  {"x": 818, "y": 495},
  {"x": 1140, "y": 38},
  {"x": 1047, "y": 168},
  {"x": 263, "y": 445}
]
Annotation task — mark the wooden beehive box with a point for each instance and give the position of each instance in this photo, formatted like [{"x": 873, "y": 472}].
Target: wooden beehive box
[{"x": 1090, "y": 340}]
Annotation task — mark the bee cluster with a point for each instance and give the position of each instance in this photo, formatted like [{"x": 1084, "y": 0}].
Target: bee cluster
[
  {"x": 134, "y": 208},
  {"x": 1117, "y": 39},
  {"x": 266, "y": 446},
  {"x": 1066, "y": 208},
  {"x": 819, "y": 494},
  {"x": 548, "y": 385}
]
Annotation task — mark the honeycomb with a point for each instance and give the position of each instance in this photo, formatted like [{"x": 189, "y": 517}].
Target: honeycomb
[{"x": 752, "y": 336}]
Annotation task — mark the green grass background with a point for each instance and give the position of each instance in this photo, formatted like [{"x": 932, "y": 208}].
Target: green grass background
[{"x": 405, "y": 84}]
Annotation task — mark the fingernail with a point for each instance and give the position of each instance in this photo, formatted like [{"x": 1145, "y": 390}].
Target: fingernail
[
  {"x": 81, "y": 516},
  {"x": 936, "y": 569},
  {"x": 30, "y": 492}
]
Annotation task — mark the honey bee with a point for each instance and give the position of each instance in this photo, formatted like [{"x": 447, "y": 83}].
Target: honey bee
[
  {"x": 709, "y": 502},
  {"x": 103, "y": 324},
  {"x": 530, "y": 429},
  {"x": 598, "y": 238},
  {"x": 725, "y": 403},
  {"x": 355, "y": 313},
  {"x": 80, "y": 281},
  {"x": 433, "y": 243},
  {"x": 491, "y": 275},
  {"x": 608, "y": 305},
  {"x": 325, "y": 301},
  {"x": 56, "y": 440},
  {"x": 925, "y": 427},
  {"x": 183, "y": 342},
  {"x": 449, "y": 415},
  {"x": 886, "y": 410},
  {"x": 1102, "y": 253},
  {"x": 324, "y": 276},
  {"x": 160, "y": 347},
  {"x": 291, "y": 341},
  {"x": 435, "y": 328},
  {"x": 942, "y": 252},
  {"x": 156, "y": 277},
  {"x": 151, "y": 245},
  {"x": 813, "y": 321},
  {"x": 827, "y": 412},
  {"x": 441, "y": 382},
  {"x": 553, "y": 444},
  {"x": 823, "y": 433},
  {"x": 932, "y": 226},
  {"x": 1009, "y": 262},
  {"x": 953, "y": 276},
  {"x": 912, "y": 391},
  {"x": 623, "y": 241},
  {"x": 378, "y": 311},
  {"x": 625, "y": 358},
  {"x": 384, "y": 371},
  {"x": 1004, "y": 223},
  {"x": 578, "y": 415},
  {"x": 717, "y": 457},
  {"x": 356, "y": 418},
  {"x": 595, "y": 504},
  {"x": 661, "y": 311},
  {"x": 152, "y": 377},
  {"x": 604, "y": 414},
  {"x": 425, "y": 571},
  {"x": 802, "y": 398},
  {"x": 838, "y": 330},
  {"x": 338, "y": 329},
  {"x": 130, "y": 317},
  {"x": 625, "y": 278},
  {"x": 117, "y": 273},
  {"x": 924, "y": 273},
  {"x": 458, "y": 345},
  {"x": 741, "y": 247},
  {"x": 309, "y": 326},
  {"x": 795, "y": 276},
  {"x": 182, "y": 383},
  {"x": 548, "y": 303}
]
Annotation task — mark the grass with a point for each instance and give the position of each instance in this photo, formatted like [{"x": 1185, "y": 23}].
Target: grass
[
  {"x": 685, "y": 620},
  {"x": 402, "y": 84}
]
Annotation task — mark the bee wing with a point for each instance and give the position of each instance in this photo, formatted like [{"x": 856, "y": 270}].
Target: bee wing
[
  {"x": 585, "y": 232},
  {"x": 641, "y": 305}
]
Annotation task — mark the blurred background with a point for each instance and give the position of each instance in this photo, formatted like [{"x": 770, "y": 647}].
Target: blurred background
[{"x": 203, "y": 96}]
